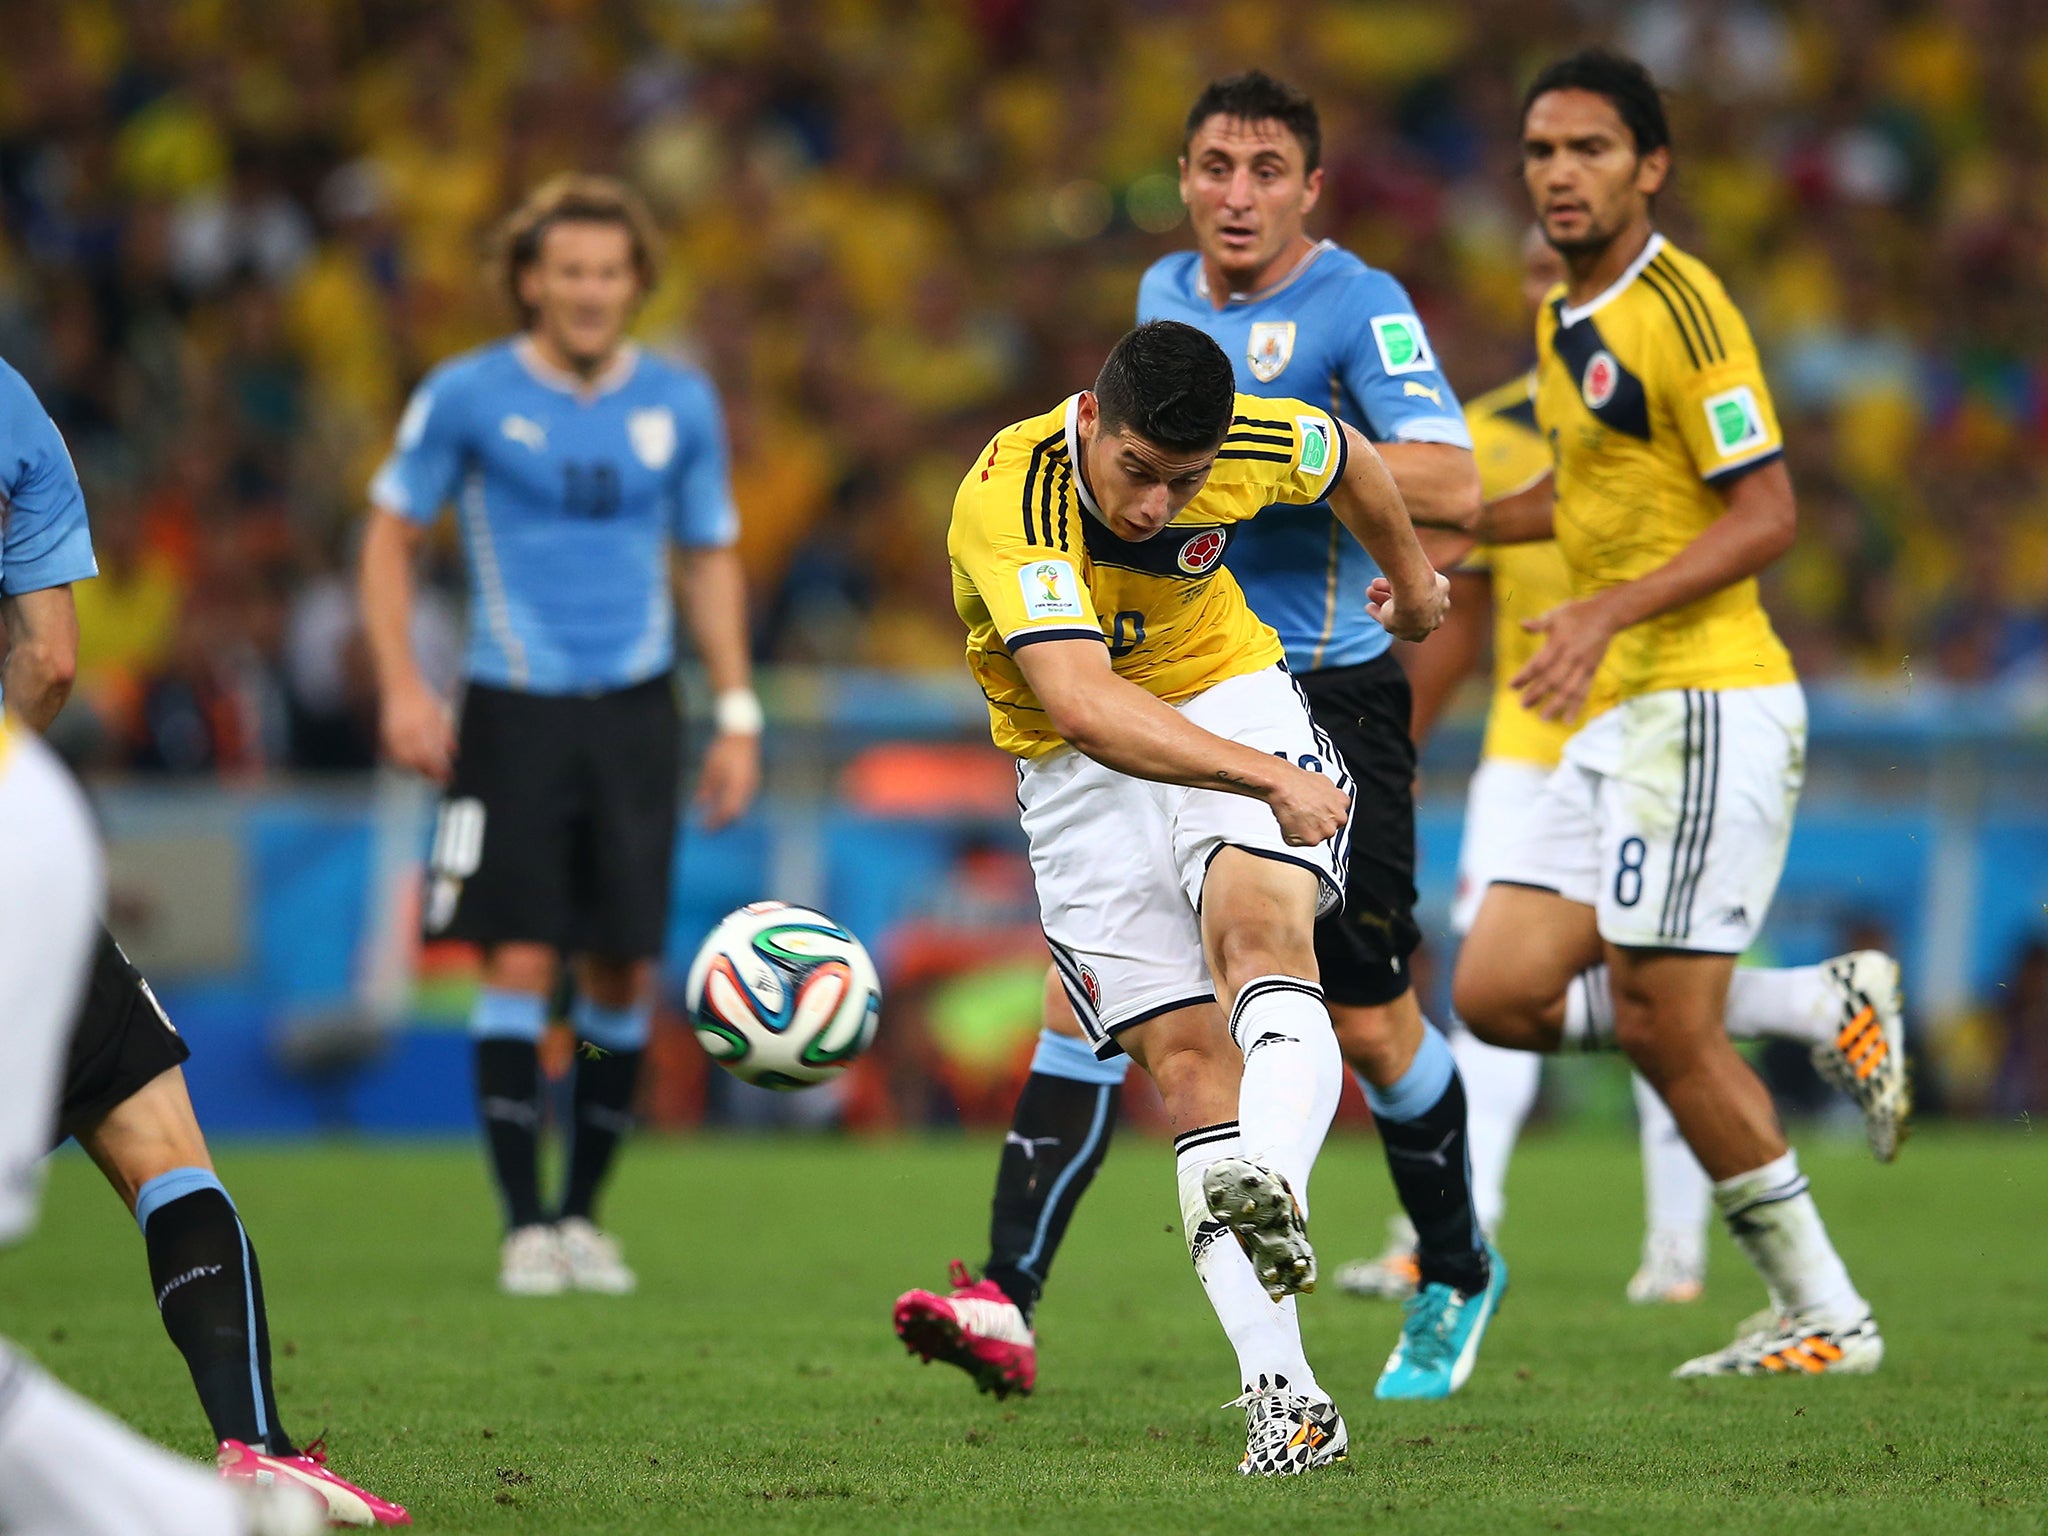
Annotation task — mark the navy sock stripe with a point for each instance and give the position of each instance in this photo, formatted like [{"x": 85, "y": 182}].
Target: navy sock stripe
[
  {"x": 1203, "y": 1135},
  {"x": 1778, "y": 1196},
  {"x": 1266, "y": 986}
]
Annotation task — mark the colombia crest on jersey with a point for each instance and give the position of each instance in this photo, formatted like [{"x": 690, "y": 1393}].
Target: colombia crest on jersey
[
  {"x": 1654, "y": 403},
  {"x": 1032, "y": 560}
]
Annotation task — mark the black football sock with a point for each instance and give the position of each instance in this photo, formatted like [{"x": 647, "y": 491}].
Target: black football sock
[
  {"x": 508, "y": 1099},
  {"x": 210, "y": 1294},
  {"x": 603, "y": 1113},
  {"x": 1058, "y": 1137},
  {"x": 1422, "y": 1129}
]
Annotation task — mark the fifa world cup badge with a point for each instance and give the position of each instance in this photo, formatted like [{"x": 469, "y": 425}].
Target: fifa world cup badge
[{"x": 1270, "y": 349}]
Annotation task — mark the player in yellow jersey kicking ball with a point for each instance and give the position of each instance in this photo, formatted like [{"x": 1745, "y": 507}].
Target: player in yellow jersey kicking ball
[
  {"x": 1501, "y": 588},
  {"x": 1187, "y": 820},
  {"x": 1657, "y": 843}
]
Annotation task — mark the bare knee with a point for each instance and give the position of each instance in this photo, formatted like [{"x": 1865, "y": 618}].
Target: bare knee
[
  {"x": 151, "y": 1132},
  {"x": 1249, "y": 949},
  {"x": 615, "y": 983},
  {"x": 1380, "y": 1041},
  {"x": 528, "y": 968}
]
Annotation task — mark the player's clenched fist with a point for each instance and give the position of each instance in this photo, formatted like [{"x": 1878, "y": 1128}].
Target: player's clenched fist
[
  {"x": 1309, "y": 808},
  {"x": 1412, "y": 616}
]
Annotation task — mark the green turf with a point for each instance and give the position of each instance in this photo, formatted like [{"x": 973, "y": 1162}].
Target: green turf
[{"x": 753, "y": 1383}]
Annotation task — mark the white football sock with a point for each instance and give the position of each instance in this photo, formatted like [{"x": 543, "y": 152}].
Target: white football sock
[
  {"x": 1775, "y": 1223},
  {"x": 1500, "y": 1089},
  {"x": 1266, "y": 1334},
  {"x": 1788, "y": 1003},
  {"x": 1293, "y": 1074},
  {"x": 1677, "y": 1194},
  {"x": 1794, "y": 1003},
  {"x": 67, "y": 1469},
  {"x": 1589, "y": 1012}
]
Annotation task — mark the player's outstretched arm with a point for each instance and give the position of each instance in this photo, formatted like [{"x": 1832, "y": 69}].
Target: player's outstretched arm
[
  {"x": 1123, "y": 727},
  {"x": 1523, "y": 518},
  {"x": 1366, "y": 501},
  {"x": 713, "y": 589},
  {"x": 412, "y": 721},
  {"x": 1760, "y": 522},
  {"x": 42, "y": 653}
]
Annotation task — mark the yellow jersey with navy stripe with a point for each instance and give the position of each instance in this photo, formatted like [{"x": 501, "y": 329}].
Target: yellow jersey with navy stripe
[
  {"x": 1032, "y": 560},
  {"x": 1654, "y": 403},
  {"x": 1528, "y": 579}
]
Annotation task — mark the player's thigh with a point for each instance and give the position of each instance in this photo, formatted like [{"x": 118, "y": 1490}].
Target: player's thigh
[
  {"x": 1695, "y": 815},
  {"x": 147, "y": 1134},
  {"x": 47, "y": 905},
  {"x": 1669, "y": 1006},
  {"x": 633, "y": 763},
  {"x": 1363, "y": 951},
  {"x": 1056, "y": 1013},
  {"x": 498, "y": 868},
  {"x": 122, "y": 1043},
  {"x": 1258, "y": 919},
  {"x": 1124, "y": 939},
  {"x": 1525, "y": 947}
]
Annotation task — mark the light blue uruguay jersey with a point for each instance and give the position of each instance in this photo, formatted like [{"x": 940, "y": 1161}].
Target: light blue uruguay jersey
[
  {"x": 568, "y": 497},
  {"x": 44, "y": 541},
  {"x": 1335, "y": 331}
]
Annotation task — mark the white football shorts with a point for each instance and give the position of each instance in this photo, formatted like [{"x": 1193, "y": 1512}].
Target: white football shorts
[
  {"x": 50, "y": 882},
  {"x": 1498, "y": 803},
  {"x": 1670, "y": 816},
  {"x": 1120, "y": 861}
]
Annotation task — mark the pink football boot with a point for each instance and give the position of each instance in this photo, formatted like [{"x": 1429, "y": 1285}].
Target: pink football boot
[
  {"x": 977, "y": 1328},
  {"x": 346, "y": 1503}
]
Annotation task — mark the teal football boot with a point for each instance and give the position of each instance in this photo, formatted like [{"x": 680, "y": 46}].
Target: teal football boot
[{"x": 1440, "y": 1332}]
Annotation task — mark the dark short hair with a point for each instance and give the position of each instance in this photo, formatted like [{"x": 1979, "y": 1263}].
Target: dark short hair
[
  {"x": 572, "y": 199},
  {"x": 1256, "y": 97},
  {"x": 1170, "y": 384},
  {"x": 1625, "y": 84}
]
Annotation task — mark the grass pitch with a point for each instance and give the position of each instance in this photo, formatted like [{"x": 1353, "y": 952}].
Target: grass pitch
[{"x": 754, "y": 1385}]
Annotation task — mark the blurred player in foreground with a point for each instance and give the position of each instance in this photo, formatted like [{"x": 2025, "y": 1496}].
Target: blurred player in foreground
[
  {"x": 1187, "y": 819},
  {"x": 1502, "y": 588},
  {"x": 578, "y": 464},
  {"x": 123, "y": 1095},
  {"x": 66, "y": 1467},
  {"x": 1657, "y": 843},
  {"x": 1297, "y": 315}
]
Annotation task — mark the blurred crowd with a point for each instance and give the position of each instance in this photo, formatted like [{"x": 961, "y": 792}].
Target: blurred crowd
[{"x": 233, "y": 233}]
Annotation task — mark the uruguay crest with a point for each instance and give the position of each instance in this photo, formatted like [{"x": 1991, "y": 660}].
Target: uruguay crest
[
  {"x": 1271, "y": 349},
  {"x": 652, "y": 433}
]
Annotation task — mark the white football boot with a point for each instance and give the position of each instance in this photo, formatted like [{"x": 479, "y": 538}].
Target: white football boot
[
  {"x": 531, "y": 1263},
  {"x": 593, "y": 1258},
  {"x": 1867, "y": 1057}
]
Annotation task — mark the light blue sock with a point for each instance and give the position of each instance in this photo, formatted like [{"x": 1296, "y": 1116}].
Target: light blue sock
[
  {"x": 1061, "y": 1055},
  {"x": 612, "y": 1029},
  {"x": 503, "y": 1015},
  {"x": 175, "y": 1185},
  {"x": 1418, "y": 1089}
]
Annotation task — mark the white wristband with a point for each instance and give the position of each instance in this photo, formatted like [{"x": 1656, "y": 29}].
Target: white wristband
[{"x": 738, "y": 713}]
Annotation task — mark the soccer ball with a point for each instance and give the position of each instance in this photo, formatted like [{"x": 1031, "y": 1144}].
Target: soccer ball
[{"x": 783, "y": 997}]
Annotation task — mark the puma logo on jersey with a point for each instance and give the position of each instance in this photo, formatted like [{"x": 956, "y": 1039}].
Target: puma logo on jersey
[
  {"x": 1425, "y": 391},
  {"x": 521, "y": 429}
]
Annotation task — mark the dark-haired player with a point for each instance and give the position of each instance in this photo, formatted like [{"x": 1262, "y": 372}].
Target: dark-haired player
[
  {"x": 1656, "y": 845},
  {"x": 1186, "y": 817},
  {"x": 122, "y": 1092},
  {"x": 578, "y": 464},
  {"x": 1300, "y": 316}
]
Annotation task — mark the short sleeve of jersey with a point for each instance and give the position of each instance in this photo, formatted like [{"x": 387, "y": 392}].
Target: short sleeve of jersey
[
  {"x": 47, "y": 542},
  {"x": 1718, "y": 398},
  {"x": 1391, "y": 371},
  {"x": 1032, "y": 589},
  {"x": 702, "y": 514},
  {"x": 1509, "y": 456},
  {"x": 425, "y": 467},
  {"x": 1303, "y": 445}
]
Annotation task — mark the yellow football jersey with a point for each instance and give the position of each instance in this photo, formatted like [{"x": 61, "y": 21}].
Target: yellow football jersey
[
  {"x": 1528, "y": 579},
  {"x": 1654, "y": 402},
  {"x": 1033, "y": 560}
]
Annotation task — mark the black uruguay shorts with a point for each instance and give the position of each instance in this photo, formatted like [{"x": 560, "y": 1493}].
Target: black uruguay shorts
[
  {"x": 1363, "y": 950},
  {"x": 559, "y": 825},
  {"x": 122, "y": 1042}
]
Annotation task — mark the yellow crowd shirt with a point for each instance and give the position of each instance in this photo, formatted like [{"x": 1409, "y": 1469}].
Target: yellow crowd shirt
[
  {"x": 1033, "y": 560},
  {"x": 1528, "y": 579},
  {"x": 1654, "y": 403}
]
